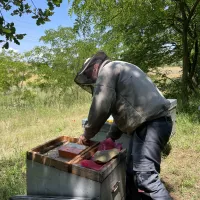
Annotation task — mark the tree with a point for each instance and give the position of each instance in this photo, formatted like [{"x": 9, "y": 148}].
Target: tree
[
  {"x": 21, "y": 7},
  {"x": 149, "y": 33},
  {"x": 59, "y": 61},
  {"x": 187, "y": 24},
  {"x": 13, "y": 71}
]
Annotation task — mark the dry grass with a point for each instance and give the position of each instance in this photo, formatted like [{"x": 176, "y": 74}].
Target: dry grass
[
  {"x": 22, "y": 130},
  {"x": 170, "y": 71},
  {"x": 180, "y": 170},
  {"x": 26, "y": 129},
  {"x": 181, "y": 174}
]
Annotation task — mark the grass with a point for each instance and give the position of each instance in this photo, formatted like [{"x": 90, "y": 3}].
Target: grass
[
  {"x": 180, "y": 170},
  {"x": 23, "y": 129}
]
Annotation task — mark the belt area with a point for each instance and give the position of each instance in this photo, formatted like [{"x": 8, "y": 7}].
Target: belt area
[{"x": 164, "y": 118}]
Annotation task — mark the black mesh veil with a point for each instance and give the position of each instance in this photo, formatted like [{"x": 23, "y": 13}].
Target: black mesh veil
[{"x": 84, "y": 77}]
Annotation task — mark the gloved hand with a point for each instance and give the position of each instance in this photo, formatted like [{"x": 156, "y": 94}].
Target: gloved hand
[{"x": 82, "y": 140}]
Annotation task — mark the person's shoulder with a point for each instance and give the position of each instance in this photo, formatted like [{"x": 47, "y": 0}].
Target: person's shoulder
[
  {"x": 116, "y": 67},
  {"x": 110, "y": 66},
  {"x": 110, "y": 69},
  {"x": 122, "y": 63},
  {"x": 116, "y": 64}
]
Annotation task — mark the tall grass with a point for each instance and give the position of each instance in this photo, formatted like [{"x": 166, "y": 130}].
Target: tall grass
[
  {"x": 29, "y": 97},
  {"x": 180, "y": 170},
  {"x": 26, "y": 123}
]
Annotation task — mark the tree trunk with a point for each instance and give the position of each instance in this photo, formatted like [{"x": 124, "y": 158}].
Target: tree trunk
[
  {"x": 185, "y": 67},
  {"x": 194, "y": 60}
]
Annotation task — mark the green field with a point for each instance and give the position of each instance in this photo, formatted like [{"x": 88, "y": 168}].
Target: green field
[{"x": 24, "y": 128}]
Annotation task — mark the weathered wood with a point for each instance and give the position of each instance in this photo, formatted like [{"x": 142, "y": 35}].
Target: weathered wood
[
  {"x": 43, "y": 148},
  {"x": 37, "y": 154},
  {"x": 98, "y": 176},
  {"x": 73, "y": 166},
  {"x": 85, "y": 153}
]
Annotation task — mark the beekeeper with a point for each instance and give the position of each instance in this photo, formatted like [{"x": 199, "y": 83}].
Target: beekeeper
[{"x": 124, "y": 91}]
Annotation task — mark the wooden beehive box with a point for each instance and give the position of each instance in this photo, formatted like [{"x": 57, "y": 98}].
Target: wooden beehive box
[
  {"x": 48, "y": 153},
  {"x": 50, "y": 174}
]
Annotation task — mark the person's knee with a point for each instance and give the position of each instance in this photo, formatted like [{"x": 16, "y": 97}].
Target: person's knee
[{"x": 143, "y": 180}]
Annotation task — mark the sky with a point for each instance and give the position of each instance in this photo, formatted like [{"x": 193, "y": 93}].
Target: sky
[{"x": 26, "y": 24}]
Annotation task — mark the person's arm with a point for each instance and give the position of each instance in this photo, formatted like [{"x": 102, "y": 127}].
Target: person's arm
[
  {"x": 103, "y": 100},
  {"x": 100, "y": 110},
  {"x": 114, "y": 133}
]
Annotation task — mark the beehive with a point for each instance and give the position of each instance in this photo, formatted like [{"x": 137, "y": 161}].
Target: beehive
[{"x": 48, "y": 174}]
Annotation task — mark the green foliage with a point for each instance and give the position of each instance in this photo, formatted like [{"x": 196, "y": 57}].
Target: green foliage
[
  {"x": 45, "y": 69},
  {"x": 147, "y": 33},
  {"x": 170, "y": 87},
  {"x": 136, "y": 28},
  {"x": 13, "y": 71},
  {"x": 13, "y": 7},
  {"x": 57, "y": 64},
  {"x": 35, "y": 97},
  {"x": 13, "y": 176}
]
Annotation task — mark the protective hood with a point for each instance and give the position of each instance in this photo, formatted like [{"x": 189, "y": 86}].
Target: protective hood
[{"x": 87, "y": 76}]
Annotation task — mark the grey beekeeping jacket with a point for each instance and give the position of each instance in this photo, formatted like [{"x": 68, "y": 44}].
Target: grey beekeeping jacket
[{"x": 124, "y": 91}]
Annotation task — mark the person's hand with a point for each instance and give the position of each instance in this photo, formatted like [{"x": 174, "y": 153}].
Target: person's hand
[{"x": 82, "y": 140}]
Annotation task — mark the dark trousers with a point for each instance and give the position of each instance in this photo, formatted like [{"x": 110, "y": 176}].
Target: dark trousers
[{"x": 144, "y": 158}]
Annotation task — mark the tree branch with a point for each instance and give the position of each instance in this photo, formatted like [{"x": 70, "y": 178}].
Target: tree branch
[
  {"x": 193, "y": 9},
  {"x": 113, "y": 17},
  {"x": 1, "y": 14},
  {"x": 195, "y": 57},
  {"x": 33, "y": 4},
  {"x": 177, "y": 29},
  {"x": 187, "y": 8},
  {"x": 181, "y": 5},
  {"x": 4, "y": 6},
  {"x": 190, "y": 33},
  {"x": 3, "y": 18}
]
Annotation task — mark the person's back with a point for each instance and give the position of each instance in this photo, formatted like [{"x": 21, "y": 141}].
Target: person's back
[{"x": 137, "y": 98}]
